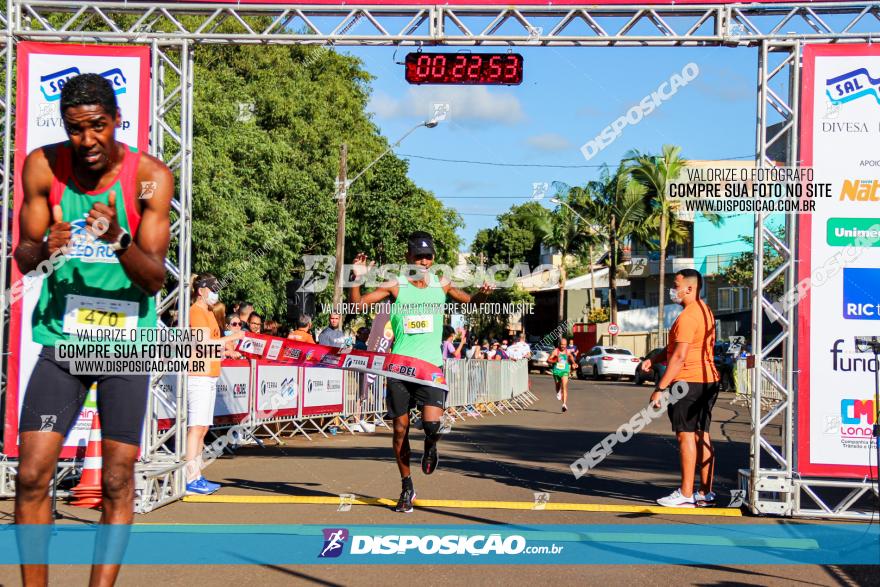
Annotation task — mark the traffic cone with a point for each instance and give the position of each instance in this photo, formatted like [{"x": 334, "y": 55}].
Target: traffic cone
[{"x": 88, "y": 492}]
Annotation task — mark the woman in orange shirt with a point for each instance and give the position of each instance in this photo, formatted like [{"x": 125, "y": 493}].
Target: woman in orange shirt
[{"x": 202, "y": 385}]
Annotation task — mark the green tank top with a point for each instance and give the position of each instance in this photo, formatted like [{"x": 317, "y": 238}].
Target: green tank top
[
  {"x": 91, "y": 290},
  {"x": 417, "y": 320},
  {"x": 561, "y": 367}
]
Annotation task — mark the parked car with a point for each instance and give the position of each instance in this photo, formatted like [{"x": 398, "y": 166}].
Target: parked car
[
  {"x": 603, "y": 361},
  {"x": 538, "y": 361},
  {"x": 657, "y": 370}
]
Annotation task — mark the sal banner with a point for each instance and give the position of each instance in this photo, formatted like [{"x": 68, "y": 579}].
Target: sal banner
[
  {"x": 43, "y": 69},
  {"x": 839, "y": 262},
  {"x": 302, "y": 354}
]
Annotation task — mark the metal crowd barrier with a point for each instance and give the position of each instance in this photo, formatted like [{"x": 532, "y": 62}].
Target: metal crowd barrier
[
  {"x": 743, "y": 381},
  {"x": 476, "y": 387}
]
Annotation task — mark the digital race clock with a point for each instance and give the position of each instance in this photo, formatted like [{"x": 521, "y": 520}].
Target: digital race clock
[{"x": 464, "y": 68}]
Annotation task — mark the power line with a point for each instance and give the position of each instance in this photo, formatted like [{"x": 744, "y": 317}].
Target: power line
[{"x": 548, "y": 166}]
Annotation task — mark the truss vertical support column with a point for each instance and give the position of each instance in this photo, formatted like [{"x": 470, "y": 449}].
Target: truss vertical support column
[{"x": 770, "y": 479}]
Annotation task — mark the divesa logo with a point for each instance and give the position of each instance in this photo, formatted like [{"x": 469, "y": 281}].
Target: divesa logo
[
  {"x": 852, "y": 86},
  {"x": 51, "y": 84}
]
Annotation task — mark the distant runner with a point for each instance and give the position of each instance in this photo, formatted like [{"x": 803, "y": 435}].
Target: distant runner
[
  {"x": 95, "y": 220},
  {"x": 418, "y": 330},
  {"x": 562, "y": 359}
]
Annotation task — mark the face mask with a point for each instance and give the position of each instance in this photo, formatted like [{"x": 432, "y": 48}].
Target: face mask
[
  {"x": 213, "y": 298},
  {"x": 673, "y": 296}
]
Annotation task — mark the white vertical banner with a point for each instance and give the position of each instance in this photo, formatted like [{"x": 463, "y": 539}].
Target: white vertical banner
[
  {"x": 840, "y": 134},
  {"x": 43, "y": 69}
]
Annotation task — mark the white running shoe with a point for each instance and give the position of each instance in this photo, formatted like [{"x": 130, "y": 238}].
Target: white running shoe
[
  {"x": 559, "y": 396},
  {"x": 445, "y": 424},
  {"x": 702, "y": 501},
  {"x": 676, "y": 500}
]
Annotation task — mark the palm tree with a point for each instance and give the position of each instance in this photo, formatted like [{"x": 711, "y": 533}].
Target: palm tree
[
  {"x": 656, "y": 173},
  {"x": 564, "y": 230},
  {"x": 618, "y": 206}
]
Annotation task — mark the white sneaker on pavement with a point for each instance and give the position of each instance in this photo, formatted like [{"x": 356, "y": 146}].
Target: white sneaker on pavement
[
  {"x": 677, "y": 500},
  {"x": 704, "y": 500}
]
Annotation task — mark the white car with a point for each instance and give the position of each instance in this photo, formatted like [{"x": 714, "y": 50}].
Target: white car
[{"x": 603, "y": 361}]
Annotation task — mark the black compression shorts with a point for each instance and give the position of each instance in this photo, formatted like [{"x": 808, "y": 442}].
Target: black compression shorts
[
  {"x": 404, "y": 396},
  {"x": 54, "y": 398}
]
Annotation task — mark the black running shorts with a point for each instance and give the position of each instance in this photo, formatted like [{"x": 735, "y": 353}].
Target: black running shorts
[
  {"x": 693, "y": 412},
  {"x": 403, "y": 396},
  {"x": 54, "y": 398}
]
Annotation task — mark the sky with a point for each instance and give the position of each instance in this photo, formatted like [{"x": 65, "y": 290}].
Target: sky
[{"x": 567, "y": 97}]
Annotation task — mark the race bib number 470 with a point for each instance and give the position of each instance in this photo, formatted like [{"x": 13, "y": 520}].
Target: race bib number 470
[
  {"x": 418, "y": 324},
  {"x": 88, "y": 313}
]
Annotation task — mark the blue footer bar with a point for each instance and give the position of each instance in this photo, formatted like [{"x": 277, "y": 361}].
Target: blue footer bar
[{"x": 221, "y": 544}]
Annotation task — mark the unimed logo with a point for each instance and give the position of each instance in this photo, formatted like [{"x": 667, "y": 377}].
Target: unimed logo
[{"x": 334, "y": 542}]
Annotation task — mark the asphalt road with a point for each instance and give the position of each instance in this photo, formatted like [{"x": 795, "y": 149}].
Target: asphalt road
[{"x": 502, "y": 458}]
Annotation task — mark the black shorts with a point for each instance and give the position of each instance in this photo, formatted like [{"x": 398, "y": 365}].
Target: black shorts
[
  {"x": 693, "y": 412},
  {"x": 54, "y": 398},
  {"x": 404, "y": 396}
]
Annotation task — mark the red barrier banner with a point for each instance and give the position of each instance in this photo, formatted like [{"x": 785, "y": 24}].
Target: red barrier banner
[
  {"x": 348, "y": 3},
  {"x": 301, "y": 354}
]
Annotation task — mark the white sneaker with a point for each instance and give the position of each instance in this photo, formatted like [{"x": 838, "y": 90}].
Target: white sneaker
[
  {"x": 676, "y": 500},
  {"x": 445, "y": 424},
  {"x": 559, "y": 396},
  {"x": 702, "y": 501}
]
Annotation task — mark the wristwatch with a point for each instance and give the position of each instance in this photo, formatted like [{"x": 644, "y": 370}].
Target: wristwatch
[{"x": 123, "y": 241}]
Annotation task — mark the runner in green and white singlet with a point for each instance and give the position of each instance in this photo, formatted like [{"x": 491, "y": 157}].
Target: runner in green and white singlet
[
  {"x": 562, "y": 360},
  {"x": 95, "y": 220},
  {"x": 417, "y": 324}
]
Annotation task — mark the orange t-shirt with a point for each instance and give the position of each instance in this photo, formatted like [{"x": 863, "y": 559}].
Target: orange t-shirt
[
  {"x": 200, "y": 317},
  {"x": 695, "y": 326},
  {"x": 302, "y": 336}
]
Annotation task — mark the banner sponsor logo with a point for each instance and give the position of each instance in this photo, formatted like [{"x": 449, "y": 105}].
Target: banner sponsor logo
[
  {"x": 843, "y": 232},
  {"x": 438, "y": 545},
  {"x": 355, "y": 361},
  {"x": 292, "y": 353},
  {"x": 851, "y": 86},
  {"x": 334, "y": 542},
  {"x": 401, "y": 369},
  {"x": 861, "y": 293},
  {"x": 52, "y": 83},
  {"x": 378, "y": 363},
  {"x": 330, "y": 359},
  {"x": 274, "y": 349},
  {"x": 860, "y": 190}
]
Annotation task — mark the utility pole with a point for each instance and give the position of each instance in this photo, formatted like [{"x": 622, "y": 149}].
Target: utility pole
[{"x": 341, "y": 193}]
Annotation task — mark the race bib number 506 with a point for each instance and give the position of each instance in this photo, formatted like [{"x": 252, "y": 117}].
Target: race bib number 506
[{"x": 418, "y": 324}]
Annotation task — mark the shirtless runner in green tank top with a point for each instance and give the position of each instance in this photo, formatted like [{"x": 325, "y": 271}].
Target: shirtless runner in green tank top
[{"x": 417, "y": 334}]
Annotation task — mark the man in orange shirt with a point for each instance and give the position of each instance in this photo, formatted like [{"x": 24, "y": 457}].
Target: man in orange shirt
[
  {"x": 689, "y": 358},
  {"x": 302, "y": 334}
]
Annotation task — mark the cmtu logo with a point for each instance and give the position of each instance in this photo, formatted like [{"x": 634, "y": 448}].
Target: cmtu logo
[
  {"x": 854, "y": 411},
  {"x": 51, "y": 84},
  {"x": 861, "y": 293},
  {"x": 334, "y": 541},
  {"x": 852, "y": 86}
]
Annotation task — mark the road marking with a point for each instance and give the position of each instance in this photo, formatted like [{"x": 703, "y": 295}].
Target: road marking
[{"x": 457, "y": 503}]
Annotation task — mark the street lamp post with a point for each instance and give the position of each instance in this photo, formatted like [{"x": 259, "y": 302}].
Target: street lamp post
[{"x": 342, "y": 185}]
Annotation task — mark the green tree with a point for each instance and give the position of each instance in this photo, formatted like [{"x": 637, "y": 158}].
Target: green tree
[
  {"x": 514, "y": 239},
  {"x": 741, "y": 269}
]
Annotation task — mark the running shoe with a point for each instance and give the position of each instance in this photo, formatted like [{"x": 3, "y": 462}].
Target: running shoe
[
  {"x": 702, "y": 501},
  {"x": 407, "y": 496},
  {"x": 430, "y": 458},
  {"x": 211, "y": 485},
  {"x": 559, "y": 396},
  {"x": 564, "y": 408},
  {"x": 200, "y": 487},
  {"x": 676, "y": 500}
]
